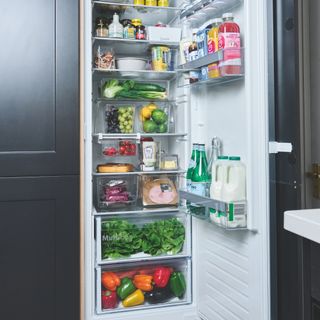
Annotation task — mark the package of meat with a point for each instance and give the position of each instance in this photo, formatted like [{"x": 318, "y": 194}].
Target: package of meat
[
  {"x": 159, "y": 192},
  {"x": 121, "y": 197},
  {"x": 109, "y": 191}
]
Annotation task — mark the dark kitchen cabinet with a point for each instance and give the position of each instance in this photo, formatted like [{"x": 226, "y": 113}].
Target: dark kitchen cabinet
[
  {"x": 39, "y": 91},
  {"x": 39, "y": 248}
]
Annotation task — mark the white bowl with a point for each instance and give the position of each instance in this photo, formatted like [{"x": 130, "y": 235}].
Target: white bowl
[{"x": 131, "y": 63}]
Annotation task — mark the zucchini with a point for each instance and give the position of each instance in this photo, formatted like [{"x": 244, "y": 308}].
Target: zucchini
[{"x": 148, "y": 87}]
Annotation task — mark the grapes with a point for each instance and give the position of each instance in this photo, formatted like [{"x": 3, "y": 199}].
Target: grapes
[{"x": 120, "y": 119}]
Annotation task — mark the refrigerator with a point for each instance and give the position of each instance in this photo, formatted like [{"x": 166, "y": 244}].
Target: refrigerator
[{"x": 226, "y": 271}]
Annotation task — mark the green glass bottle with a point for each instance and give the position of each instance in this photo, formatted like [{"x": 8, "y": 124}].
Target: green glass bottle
[
  {"x": 192, "y": 165},
  {"x": 200, "y": 180}
]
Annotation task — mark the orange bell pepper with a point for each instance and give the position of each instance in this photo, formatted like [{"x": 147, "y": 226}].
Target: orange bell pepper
[
  {"x": 143, "y": 282},
  {"x": 110, "y": 281}
]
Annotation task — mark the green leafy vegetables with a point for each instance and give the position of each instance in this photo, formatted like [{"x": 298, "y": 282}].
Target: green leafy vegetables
[
  {"x": 122, "y": 239},
  {"x": 130, "y": 89}
]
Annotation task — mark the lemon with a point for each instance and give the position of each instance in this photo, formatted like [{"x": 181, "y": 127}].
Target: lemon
[
  {"x": 145, "y": 112},
  {"x": 152, "y": 106}
]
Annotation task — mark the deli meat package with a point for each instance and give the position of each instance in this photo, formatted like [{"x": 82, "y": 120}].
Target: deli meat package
[{"x": 159, "y": 191}]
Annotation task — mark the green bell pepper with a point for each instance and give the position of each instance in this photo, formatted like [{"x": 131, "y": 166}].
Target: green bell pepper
[
  {"x": 177, "y": 284},
  {"x": 126, "y": 288}
]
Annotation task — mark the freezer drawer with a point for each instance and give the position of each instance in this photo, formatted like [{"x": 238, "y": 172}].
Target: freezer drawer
[
  {"x": 142, "y": 237},
  {"x": 179, "y": 268}
]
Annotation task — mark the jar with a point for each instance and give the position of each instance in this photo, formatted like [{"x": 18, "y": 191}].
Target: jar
[
  {"x": 163, "y": 3},
  {"x": 129, "y": 31},
  {"x": 101, "y": 28},
  {"x": 138, "y": 2},
  {"x": 151, "y": 3},
  {"x": 140, "y": 29}
]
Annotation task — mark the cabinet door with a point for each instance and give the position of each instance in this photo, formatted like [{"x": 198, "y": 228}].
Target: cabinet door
[
  {"x": 39, "y": 248},
  {"x": 39, "y": 91}
]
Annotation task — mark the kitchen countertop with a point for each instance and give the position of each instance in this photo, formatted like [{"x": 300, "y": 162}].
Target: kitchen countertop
[{"x": 305, "y": 223}]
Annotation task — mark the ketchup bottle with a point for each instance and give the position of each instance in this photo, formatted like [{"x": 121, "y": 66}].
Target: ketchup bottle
[{"x": 229, "y": 41}]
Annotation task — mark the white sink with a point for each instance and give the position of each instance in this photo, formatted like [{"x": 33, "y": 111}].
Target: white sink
[{"x": 305, "y": 223}]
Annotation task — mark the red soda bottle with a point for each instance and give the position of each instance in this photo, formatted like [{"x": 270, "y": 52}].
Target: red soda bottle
[{"x": 229, "y": 41}]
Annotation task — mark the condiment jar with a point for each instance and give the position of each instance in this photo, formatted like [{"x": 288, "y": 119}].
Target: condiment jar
[
  {"x": 115, "y": 28},
  {"x": 101, "y": 28},
  {"x": 140, "y": 29},
  {"x": 129, "y": 31}
]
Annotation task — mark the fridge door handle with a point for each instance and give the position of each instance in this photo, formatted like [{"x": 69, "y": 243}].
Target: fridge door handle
[{"x": 277, "y": 147}]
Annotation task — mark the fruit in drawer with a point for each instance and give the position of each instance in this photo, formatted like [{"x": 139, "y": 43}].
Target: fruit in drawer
[
  {"x": 149, "y": 126},
  {"x": 110, "y": 151},
  {"x": 109, "y": 299},
  {"x": 159, "y": 116},
  {"x": 110, "y": 281}
]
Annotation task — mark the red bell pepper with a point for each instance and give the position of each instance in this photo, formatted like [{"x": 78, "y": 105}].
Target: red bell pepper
[
  {"x": 161, "y": 276},
  {"x": 109, "y": 299}
]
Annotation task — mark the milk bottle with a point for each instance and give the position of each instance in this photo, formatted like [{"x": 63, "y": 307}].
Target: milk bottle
[
  {"x": 234, "y": 189},
  {"x": 219, "y": 172}
]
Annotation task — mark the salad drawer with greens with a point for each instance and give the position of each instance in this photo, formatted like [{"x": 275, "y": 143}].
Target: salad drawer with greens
[{"x": 142, "y": 236}]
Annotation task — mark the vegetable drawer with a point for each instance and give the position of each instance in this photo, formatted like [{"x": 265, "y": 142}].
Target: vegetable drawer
[
  {"x": 142, "y": 237},
  {"x": 124, "y": 287}
]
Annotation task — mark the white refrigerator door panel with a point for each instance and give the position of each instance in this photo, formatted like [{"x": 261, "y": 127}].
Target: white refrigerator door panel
[{"x": 232, "y": 267}]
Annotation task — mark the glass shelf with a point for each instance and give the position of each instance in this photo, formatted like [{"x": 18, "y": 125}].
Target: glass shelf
[
  {"x": 229, "y": 216},
  {"x": 99, "y": 137},
  {"x": 202, "y": 11},
  {"x": 135, "y": 210},
  {"x": 147, "y": 13},
  {"x": 121, "y": 101},
  {"x": 137, "y": 47},
  {"x": 134, "y": 74},
  {"x": 214, "y": 81},
  {"x": 140, "y": 173}
]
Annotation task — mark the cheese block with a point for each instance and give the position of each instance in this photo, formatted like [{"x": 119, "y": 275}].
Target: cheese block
[{"x": 115, "y": 167}]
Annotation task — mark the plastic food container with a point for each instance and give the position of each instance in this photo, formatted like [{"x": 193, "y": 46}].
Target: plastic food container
[
  {"x": 159, "y": 190},
  {"x": 104, "y": 58},
  {"x": 169, "y": 162},
  {"x": 131, "y": 63},
  {"x": 154, "y": 119},
  {"x": 161, "y": 58},
  {"x": 118, "y": 191},
  {"x": 122, "y": 148},
  {"x": 119, "y": 119},
  {"x": 164, "y": 34}
]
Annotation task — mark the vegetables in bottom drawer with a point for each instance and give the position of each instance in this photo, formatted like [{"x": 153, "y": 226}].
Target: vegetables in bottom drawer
[
  {"x": 121, "y": 238},
  {"x": 146, "y": 284}
]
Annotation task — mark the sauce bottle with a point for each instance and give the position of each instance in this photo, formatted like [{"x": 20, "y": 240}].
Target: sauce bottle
[
  {"x": 115, "y": 28},
  {"x": 229, "y": 41}
]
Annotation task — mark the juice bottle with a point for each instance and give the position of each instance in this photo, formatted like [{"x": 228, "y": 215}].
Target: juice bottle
[
  {"x": 213, "y": 36},
  {"x": 229, "y": 41}
]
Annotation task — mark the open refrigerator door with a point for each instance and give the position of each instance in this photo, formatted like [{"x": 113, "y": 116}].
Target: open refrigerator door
[{"x": 143, "y": 110}]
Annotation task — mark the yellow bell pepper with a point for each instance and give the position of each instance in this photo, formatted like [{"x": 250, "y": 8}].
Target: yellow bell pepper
[{"x": 136, "y": 298}]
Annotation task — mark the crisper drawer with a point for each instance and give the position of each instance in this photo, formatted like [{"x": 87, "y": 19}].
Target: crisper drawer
[
  {"x": 138, "y": 237},
  {"x": 165, "y": 283}
]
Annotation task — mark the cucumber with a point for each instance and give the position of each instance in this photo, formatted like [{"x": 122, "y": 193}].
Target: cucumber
[{"x": 148, "y": 87}]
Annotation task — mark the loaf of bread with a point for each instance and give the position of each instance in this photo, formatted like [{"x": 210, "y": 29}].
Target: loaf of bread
[{"x": 115, "y": 167}]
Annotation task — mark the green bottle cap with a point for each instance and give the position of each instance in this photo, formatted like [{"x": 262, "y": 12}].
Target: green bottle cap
[
  {"x": 223, "y": 158},
  {"x": 235, "y": 158}
]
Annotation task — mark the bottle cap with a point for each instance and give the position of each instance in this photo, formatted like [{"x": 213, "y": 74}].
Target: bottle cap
[
  {"x": 235, "y": 158},
  {"x": 216, "y": 21},
  {"x": 223, "y": 158},
  {"x": 227, "y": 15},
  {"x": 136, "y": 22}
]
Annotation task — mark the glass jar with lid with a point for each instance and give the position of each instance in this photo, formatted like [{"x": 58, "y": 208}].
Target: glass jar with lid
[
  {"x": 129, "y": 30},
  {"x": 140, "y": 29},
  {"x": 101, "y": 27}
]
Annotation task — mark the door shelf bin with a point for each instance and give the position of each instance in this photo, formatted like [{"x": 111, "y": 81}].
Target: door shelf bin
[
  {"x": 230, "y": 216},
  {"x": 131, "y": 227},
  {"x": 178, "y": 265}
]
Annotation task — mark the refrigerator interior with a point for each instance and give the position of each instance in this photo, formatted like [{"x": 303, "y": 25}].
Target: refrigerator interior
[{"x": 230, "y": 269}]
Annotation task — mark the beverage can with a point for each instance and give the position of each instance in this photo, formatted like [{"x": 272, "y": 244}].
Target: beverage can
[
  {"x": 163, "y": 3},
  {"x": 152, "y": 3},
  {"x": 161, "y": 58},
  {"x": 138, "y": 2}
]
